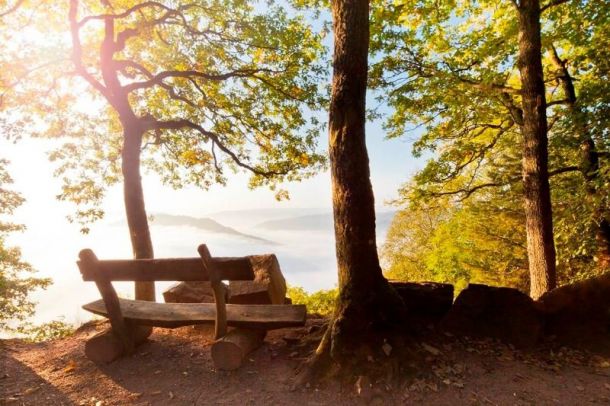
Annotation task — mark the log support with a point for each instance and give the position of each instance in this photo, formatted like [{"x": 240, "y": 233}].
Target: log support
[
  {"x": 106, "y": 347},
  {"x": 229, "y": 352}
]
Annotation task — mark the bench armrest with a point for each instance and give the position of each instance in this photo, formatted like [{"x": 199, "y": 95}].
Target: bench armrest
[
  {"x": 220, "y": 292},
  {"x": 89, "y": 260}
]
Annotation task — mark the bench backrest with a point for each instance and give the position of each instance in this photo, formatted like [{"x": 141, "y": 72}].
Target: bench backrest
[
  {"x": 204, "y": 268},
  {"x": 164, "y": 269}
]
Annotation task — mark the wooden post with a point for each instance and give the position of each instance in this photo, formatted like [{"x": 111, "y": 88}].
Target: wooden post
[
  {"x": 111, "y": 300},
  {"x": 220, "y": 293},
  {"x": 229, "y": 351},
  {"x": 105, "y": 347}
]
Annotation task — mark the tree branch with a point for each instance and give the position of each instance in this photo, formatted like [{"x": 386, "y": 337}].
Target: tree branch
[
  {"x": 467, "y": 192},
  {"x": 12, "y": 9},
  {"x": 77, "y": 52},
  {"x": 564, "y": 170},
  {"x": 215, "y": 138},
  {"x": 556, "y": 102},
  {"x": 129, "y": 11},
  {"x": 552, "y": 3},
  {"x": 190, "y": 74}
]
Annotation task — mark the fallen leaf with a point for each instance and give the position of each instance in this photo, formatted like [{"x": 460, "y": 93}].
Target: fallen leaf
[
  {"x": 70, "y": 367},
  {"x": 362, "y": 384},
  {"x": 30, "y": 390},
  {"x": 432, "y": 350},
  {"x": 387, "y": 349}
]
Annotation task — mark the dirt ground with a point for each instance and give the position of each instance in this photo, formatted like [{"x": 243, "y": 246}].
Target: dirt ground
[{"x": 174, "y": 368}]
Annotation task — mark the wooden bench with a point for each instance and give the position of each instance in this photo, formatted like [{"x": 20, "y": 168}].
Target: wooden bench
[{"x": 131, "y": 320}]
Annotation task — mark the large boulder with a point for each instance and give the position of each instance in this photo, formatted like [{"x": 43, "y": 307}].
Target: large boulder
[
  {"x": 268, "y": 286},
  {"x": 580, "y": 311},
  {"x": 427, "y": 302},
  {"x": 503, "y": 313},
  {"x": 189, "y": 292}
]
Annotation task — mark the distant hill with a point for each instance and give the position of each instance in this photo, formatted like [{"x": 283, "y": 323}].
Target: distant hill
[
  {"x": 206, "y": 224},
  {"x": 319, "y": 222},
  {"x": 249, "y": 218}
]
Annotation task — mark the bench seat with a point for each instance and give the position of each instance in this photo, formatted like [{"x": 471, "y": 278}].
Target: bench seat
[{"x": 171, "y": 315}]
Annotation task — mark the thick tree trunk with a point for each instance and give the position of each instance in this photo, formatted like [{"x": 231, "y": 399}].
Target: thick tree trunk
[
  {"x": 538, "y": 212},
  {"x": 589, "y": 162},
  {"x": 366, "y": 304},
  {"x": 135, "y": 210}
]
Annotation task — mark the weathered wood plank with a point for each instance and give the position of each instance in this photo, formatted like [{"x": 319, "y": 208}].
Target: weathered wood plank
[
  {"x": 104, "y": 347},
  {"x": 230, "y": 351},
  {"x": 220, "y": 291},
  {"x": 167, "y": 269},
  {"x": 171, "y": 315},
  {"x": 109, "y": 296}
]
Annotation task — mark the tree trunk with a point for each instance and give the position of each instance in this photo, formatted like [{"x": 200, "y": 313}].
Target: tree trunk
[
  {"x": 589, "y": 162},
  {"x": 538, "y": 212},
  {"x": 135, "y": 210},
  {"x": 366, "y": 303},
  {"x": 133, "y": 131}
]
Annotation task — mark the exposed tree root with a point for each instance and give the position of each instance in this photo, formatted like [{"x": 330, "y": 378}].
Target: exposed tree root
[{"x": 365, "y": 337}]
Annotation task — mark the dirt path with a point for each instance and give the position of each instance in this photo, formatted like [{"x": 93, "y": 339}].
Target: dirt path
[{"x": 174, "y": 368}]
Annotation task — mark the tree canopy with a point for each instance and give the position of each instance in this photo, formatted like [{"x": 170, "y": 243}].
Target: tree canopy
[
  {"x": 16, "y": 280},
  {"x": 449, "y": 71},
  {"x": 217, "y": 87}
]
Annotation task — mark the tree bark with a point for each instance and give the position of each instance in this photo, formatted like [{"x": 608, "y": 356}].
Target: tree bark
[
  {"x": 133, "y": 131},
  {"x": 589, "y": 161},
  {"x": 366, "y": 304},
  {"x": 538, "y": 211},
  {"x": 135, "y": 209}
]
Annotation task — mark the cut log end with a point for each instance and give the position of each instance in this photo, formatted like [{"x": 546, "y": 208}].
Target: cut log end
[
  {"x": 229, "y": 352},
  {"x": 105, "y": 347}
]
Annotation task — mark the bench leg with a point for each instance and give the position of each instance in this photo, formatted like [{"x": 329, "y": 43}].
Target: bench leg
[
  {"x": 229, "y": 352},
  {"x": 106, "y": 347}
]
